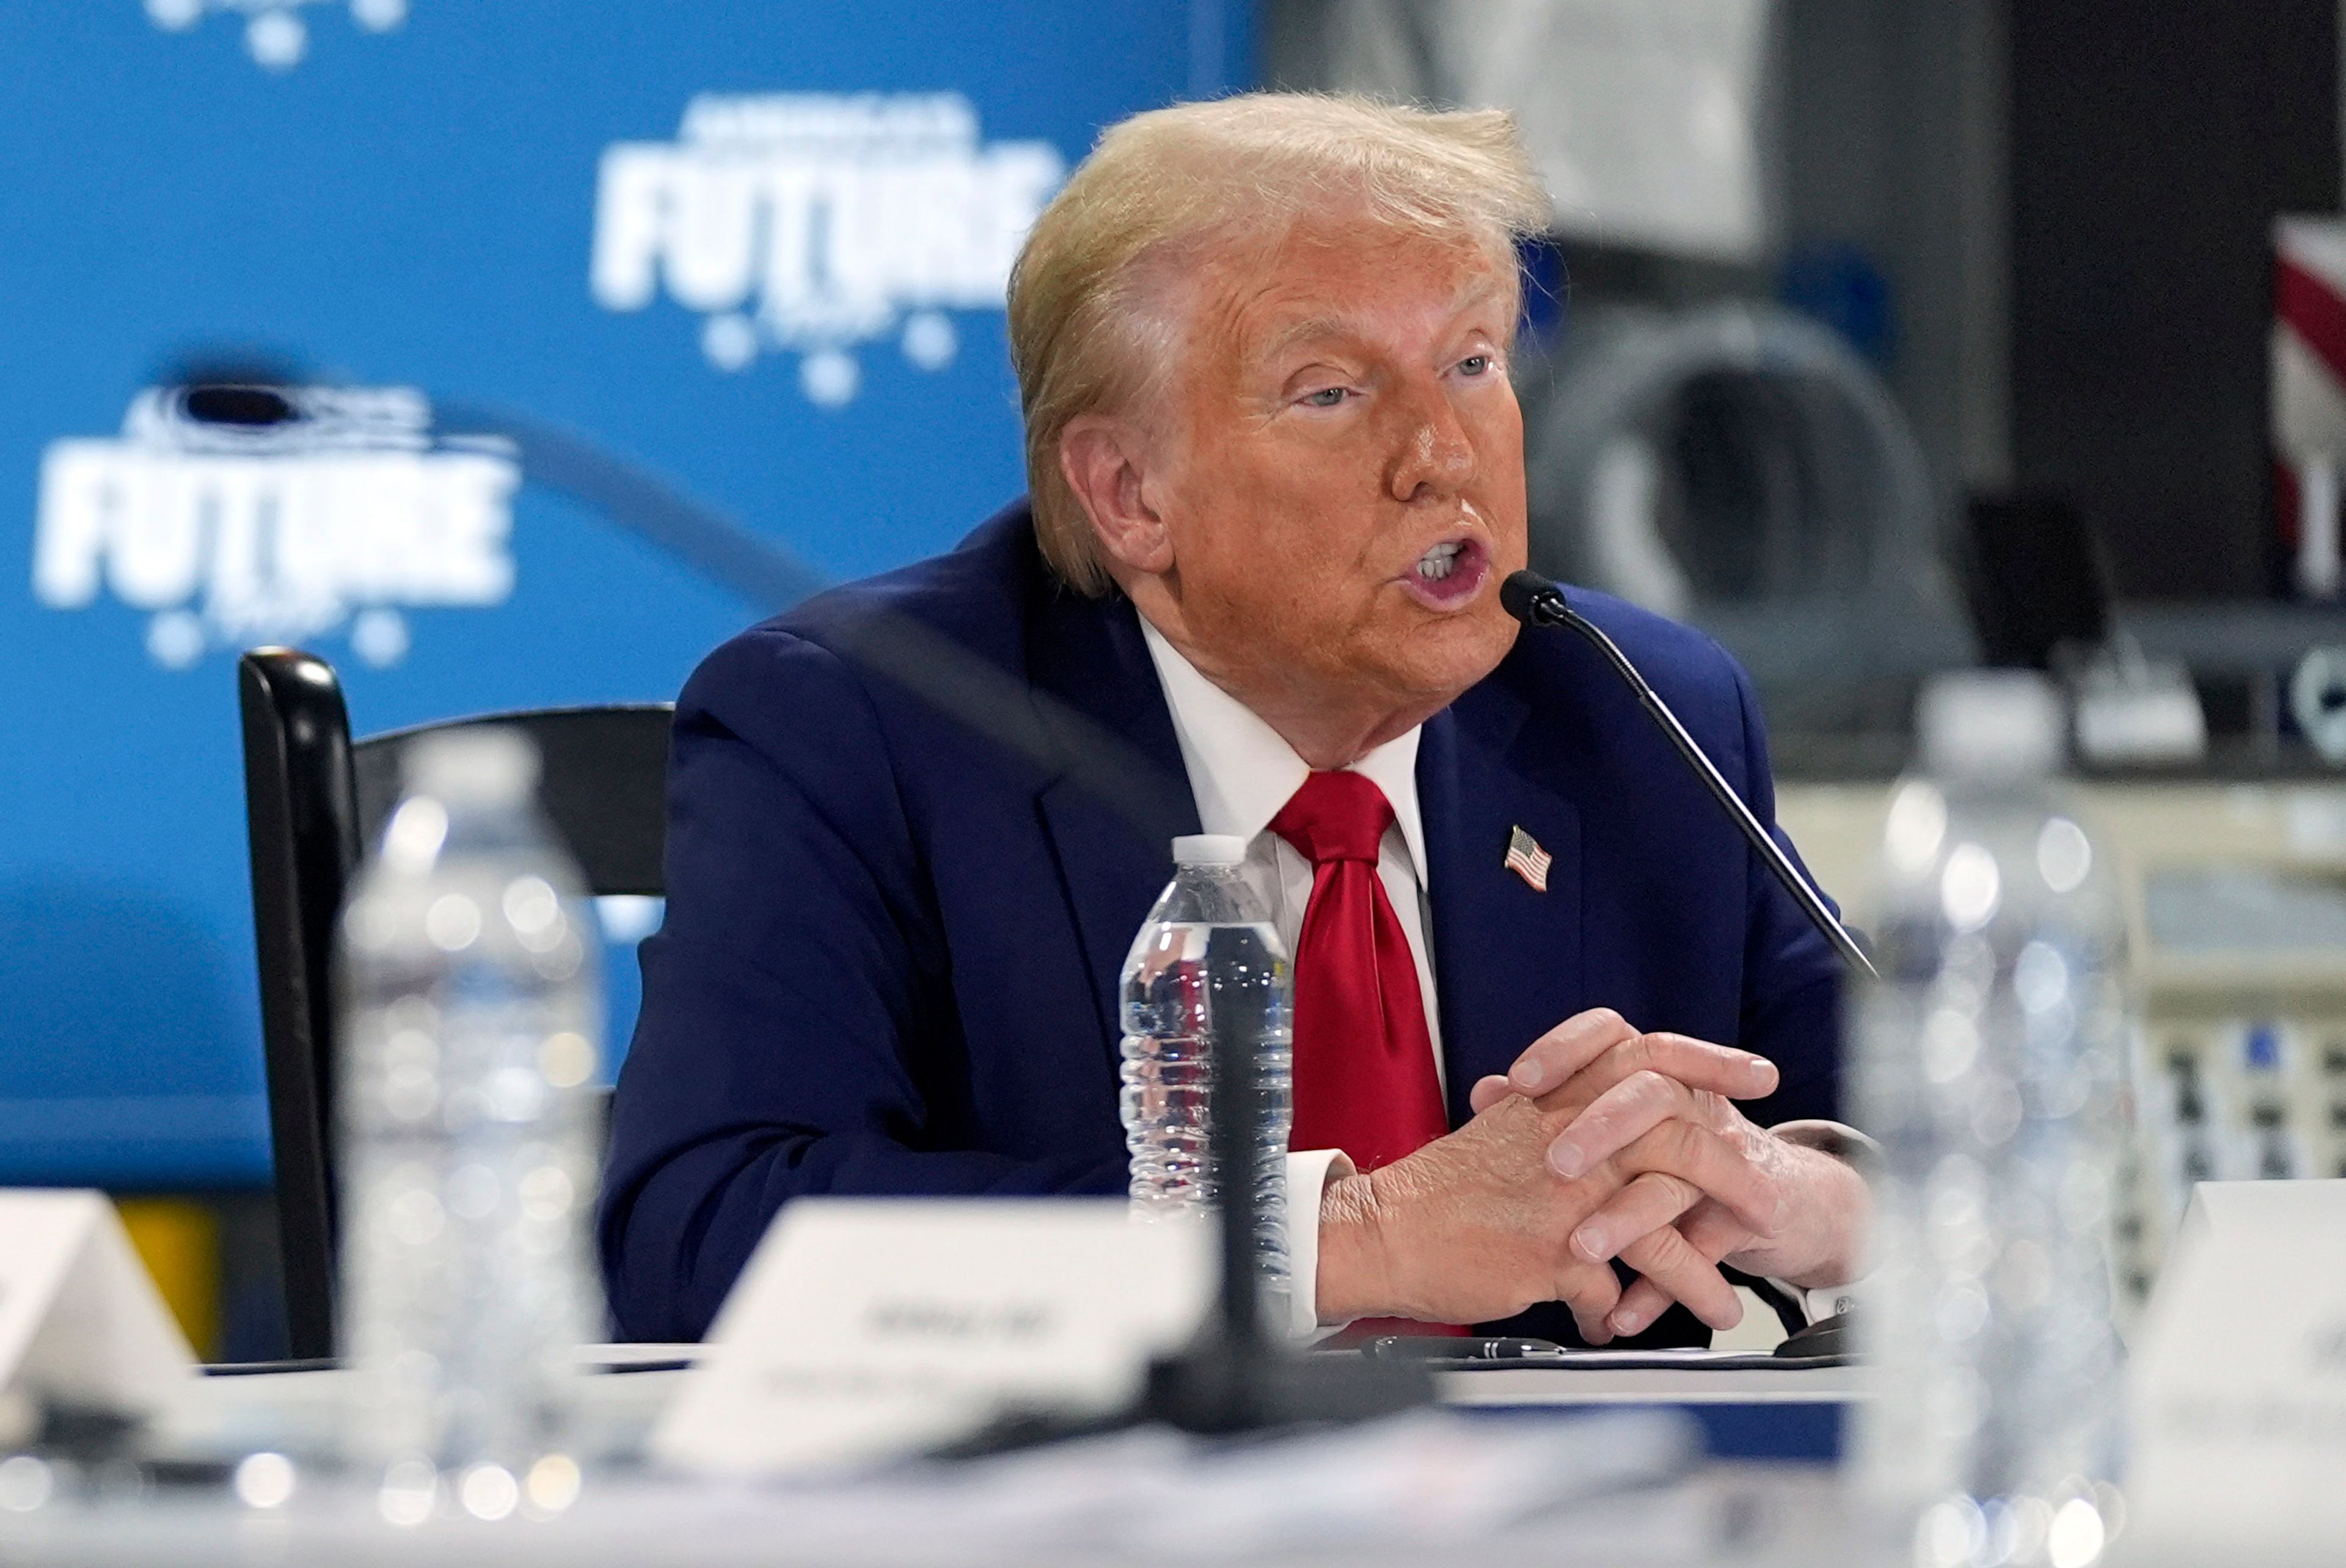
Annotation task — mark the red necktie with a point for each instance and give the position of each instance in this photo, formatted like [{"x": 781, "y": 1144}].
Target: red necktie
[{"x": 1365, "y": 1074}]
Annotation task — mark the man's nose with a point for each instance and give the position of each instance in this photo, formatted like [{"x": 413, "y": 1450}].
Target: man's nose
[{"x": 1433, "y": 456}]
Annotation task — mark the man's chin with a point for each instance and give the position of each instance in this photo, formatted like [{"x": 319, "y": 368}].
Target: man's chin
[{"x": 1437, "y": 663}]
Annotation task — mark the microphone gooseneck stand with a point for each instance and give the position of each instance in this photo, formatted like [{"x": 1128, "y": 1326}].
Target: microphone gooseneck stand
[{"x": 1537, "y": 602}]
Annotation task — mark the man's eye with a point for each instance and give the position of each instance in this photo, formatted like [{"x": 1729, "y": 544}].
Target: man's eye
[
  {"x": 1474, "y": 364},
  {"x": 1326, "y": 397}
]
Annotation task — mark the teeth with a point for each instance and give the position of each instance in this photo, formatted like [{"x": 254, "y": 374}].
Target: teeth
[{"x": 1438, "y": 563}]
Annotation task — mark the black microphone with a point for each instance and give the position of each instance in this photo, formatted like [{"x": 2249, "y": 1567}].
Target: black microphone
[{"x": 1537, "y": 602}]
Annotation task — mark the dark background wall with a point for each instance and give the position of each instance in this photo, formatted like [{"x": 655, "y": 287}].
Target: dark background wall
[
  {"x": 1891, "y": 119},
  {"x": 2151, "y": 146}
]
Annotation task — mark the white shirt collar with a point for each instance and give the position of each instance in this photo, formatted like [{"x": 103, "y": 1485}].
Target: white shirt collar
[{"x": 1241, "y": 771}]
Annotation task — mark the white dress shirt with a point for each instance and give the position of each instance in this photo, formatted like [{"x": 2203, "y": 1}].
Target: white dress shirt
[{"x": 1241, "y": 773}]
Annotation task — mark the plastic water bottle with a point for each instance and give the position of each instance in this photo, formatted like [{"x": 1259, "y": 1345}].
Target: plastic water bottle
[
  {"x": 1990, "y": 1064},
  {"x": 472, "y": 1017},
  {"x": 1207, "y": 974}
]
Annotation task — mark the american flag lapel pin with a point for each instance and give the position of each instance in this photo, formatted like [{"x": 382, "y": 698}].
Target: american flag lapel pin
[{"x": 1527, "y": 860}]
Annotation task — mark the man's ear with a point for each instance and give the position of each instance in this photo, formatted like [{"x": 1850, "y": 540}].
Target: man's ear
[{"x": 1103, "y": 458}]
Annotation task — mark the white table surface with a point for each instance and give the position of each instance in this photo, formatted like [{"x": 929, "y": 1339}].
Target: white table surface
[
  {"x": 295, "y": 1411},
  {"x": 1759, "y": 1516},
  {"x": 1021, "y": 1511},
  {"x": 1747, "y": 1515}
]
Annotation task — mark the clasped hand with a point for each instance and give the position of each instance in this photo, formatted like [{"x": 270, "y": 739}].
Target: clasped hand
[{"x": 1600, "y": 1142}]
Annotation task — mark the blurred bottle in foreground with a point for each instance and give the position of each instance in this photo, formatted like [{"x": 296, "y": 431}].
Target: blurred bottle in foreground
[
  {"x": 471, "y": 1023},
  {"x": 1989, "y": 1062},
  {"x": 1206, "y": 976}
]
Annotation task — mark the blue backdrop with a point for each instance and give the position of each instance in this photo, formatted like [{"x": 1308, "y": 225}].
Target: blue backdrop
[{"x": 753, "y": 248}]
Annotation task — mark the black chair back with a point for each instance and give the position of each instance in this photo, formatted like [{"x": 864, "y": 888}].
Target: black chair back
[{"x": 313, "y": 799}]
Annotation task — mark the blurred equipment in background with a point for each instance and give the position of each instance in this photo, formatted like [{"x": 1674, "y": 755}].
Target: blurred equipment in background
[
  {"x": 2132, "y": 709},
  {"x": 2039, "y": 594},
  {"x": 2032, "y": 581},
  {"x": 2147, "y": 679},
  {"x": 1741, "y": 468},
  {"x": 2234, "y": 900},
  {"x": 2317, "y": 700},
  {"x": 1647, "y": 118},
  {"x": 2241, "y": 942},
  {"x": 2308, "y": 396}
]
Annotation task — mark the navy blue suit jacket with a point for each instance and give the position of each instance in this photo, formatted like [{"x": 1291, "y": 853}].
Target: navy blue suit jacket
[{"x": 891, "y": 959}]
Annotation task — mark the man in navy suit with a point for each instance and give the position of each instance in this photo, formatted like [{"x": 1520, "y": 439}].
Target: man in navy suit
[{"x": 1277, "y": 475}]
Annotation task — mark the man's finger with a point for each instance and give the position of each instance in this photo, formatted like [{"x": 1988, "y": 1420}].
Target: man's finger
[
  {"x": 1487, "y": 1091},
  {"x": 1593, "y": 1293},
  {"x": 1641, "y": 1304},
  {"x": 1712, "y": 1229},
  {"x": 1697, "y": 1063},
  {"x": 1615, "y": 1119},
  {"x": 1564, "y": 1050},
  {"x": 1665, "y": 1257},
  {"x": 1647, "y": 1203},
  {"x": 1682, "y": 1148},
  {"x": 1712, "y": 1232}
]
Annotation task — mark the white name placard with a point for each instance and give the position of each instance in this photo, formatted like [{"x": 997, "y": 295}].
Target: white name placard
[
  {"x": 81, "y": 1323},
  {"x": 2240, "y": 1385},
  {"x": 863, "y": 1329}
]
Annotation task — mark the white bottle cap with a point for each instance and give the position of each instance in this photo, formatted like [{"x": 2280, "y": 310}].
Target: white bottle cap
[
  {"x": 1210, "y": 850},
  {"x": 474, "y": 763},
  {"x": 1990, "y": 723}
]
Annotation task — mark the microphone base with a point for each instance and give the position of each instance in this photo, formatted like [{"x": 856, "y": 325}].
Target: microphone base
[{"x": 1216, "y": 1389}]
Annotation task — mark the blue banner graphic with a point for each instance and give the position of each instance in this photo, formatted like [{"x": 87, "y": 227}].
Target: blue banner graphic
[{"x": 517, "y": 328}]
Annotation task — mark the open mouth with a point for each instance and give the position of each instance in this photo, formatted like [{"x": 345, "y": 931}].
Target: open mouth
[{"x": 1448, "y": 575}]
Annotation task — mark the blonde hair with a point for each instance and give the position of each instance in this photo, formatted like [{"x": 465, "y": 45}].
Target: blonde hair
[{"x": 1087, "y": 326}]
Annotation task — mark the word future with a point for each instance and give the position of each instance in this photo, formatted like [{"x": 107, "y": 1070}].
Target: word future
[
  {"x": 815, "y": 222},
  {"x": 344, "y": 511}
]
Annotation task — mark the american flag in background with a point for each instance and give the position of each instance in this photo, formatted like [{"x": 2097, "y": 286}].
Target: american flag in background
[{"x": 1527, "y": 860}]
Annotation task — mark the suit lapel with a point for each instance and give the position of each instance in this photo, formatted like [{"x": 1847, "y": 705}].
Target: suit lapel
[
  {"x": 1112, "y": 813},
  {"x": 1507, "y": 957}
]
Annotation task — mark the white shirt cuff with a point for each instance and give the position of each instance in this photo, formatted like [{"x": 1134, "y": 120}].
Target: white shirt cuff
[
  {"x": 1854, "y": 1150},
  {"x": 1307, "y": 1178}
]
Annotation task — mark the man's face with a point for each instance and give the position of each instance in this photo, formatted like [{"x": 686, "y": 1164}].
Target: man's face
[{"x": 1346, "y": 489}]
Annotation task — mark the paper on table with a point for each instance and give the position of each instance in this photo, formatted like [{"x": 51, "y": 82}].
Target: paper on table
[
  {"x": 2239, "y": 1387},
  {"x": 863, "y": 1329},
  {"x": 81, "y": 1323}
]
